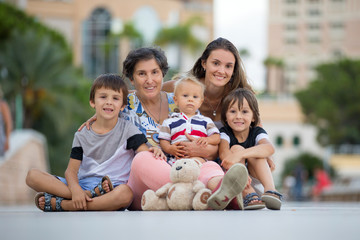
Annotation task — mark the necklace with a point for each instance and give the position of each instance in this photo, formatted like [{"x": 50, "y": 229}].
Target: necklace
[
  {"x": 214, "y": 110},
  {"x": 147, "y": 110}
]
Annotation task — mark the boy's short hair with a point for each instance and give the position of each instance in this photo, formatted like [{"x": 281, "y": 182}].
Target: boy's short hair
[
  {"x": 238, "y": 96},
  {"x": 109, "y": 81},
  {"x": 182, "y": 79}
]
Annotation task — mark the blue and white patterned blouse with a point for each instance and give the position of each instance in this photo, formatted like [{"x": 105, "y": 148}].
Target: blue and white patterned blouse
[{"x": 135, "y": 113}]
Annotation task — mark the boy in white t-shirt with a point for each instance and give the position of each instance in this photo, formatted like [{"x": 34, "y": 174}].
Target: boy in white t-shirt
[{"x": 100, "y": 159}]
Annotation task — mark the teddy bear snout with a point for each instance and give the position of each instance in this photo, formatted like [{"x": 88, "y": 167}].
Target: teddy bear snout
[{"x": 178, "y": 168}]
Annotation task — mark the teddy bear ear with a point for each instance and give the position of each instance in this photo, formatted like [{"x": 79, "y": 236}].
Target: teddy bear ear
[{"x": 198, "y": 162}]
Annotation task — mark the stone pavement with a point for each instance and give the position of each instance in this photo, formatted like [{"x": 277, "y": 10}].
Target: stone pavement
[{"x": 306, "y": 221}]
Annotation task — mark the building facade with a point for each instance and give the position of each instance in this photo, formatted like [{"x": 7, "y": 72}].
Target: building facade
[
  {"x": 305, "y": 33},
  {"x": 90, "y": 26}
]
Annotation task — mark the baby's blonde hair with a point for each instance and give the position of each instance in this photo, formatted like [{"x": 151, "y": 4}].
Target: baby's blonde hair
[{"x": 182, "y": 79}]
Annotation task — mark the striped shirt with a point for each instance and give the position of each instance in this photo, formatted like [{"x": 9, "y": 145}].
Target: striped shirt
[{"x": 173, "y": 129}]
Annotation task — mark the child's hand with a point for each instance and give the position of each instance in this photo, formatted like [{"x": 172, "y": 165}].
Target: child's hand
[
  {"x": 80, "y": 199},
  {"x": 191, "y": 138},
  {"x": 271, "y": 163},
  {"x": 230, "y": 160},
  {"x": 158, "y": 153},
  {"x": 203, "y": 141},
  {"x": 177, "y": 150}
]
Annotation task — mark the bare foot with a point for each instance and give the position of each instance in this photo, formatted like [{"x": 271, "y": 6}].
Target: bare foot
[
  {"x": 40, "y": 202},
  {"x": 249, "y": 190},
  {"x": 106, "y": 186}
]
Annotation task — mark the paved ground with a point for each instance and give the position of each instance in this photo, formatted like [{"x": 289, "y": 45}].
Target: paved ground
[{"x": 294, "y": 221}]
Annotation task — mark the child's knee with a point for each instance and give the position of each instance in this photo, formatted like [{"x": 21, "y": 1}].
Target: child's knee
[
  {"x": 236, "y": 148},
  {"x": 31, "y": 176},
  {"x": 124, "y": 195}
]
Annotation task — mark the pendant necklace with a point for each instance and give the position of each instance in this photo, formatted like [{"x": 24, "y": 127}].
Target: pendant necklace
[
  {"x": 214, "y": 110},
  {"x": 150, "y": 113}
]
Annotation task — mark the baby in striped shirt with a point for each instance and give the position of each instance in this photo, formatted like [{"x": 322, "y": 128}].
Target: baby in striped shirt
[{"x": 188, "y": 124}]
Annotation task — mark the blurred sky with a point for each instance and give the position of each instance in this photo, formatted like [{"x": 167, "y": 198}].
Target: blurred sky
[{"x": 244, "y": 23}]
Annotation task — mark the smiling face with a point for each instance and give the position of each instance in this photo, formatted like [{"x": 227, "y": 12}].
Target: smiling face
[
  {"x": 107, "y": 103},
  {"x": 219, "y": 67},
  {"x": 147, "y": 79},
  {"x": 239, "y": 120},
  {"x": 188, "y": 97}
]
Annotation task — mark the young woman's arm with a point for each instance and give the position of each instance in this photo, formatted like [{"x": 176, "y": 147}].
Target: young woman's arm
[{"x": 168, "y": 86}]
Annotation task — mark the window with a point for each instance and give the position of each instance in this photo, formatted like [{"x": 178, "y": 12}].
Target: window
[
  {"x": 314, "y": 40},
  {"x": 279, "y": 141},
  {"x": 313, "y": 26},
  {"x": 314, "y": 12},
  {"x": 147, "y": 22},
  {"x": 296, "y": 141},
  {"x": 291, "y": 13},
  {"x": 100, "y": 50},
  {"x": 291, "y": 27},
  {"x": 337, "y": 25},
  {"x": 290, "y": 41}
]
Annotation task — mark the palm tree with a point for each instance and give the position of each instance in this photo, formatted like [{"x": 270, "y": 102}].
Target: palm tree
[
  {"x": 244, "y": 53},
  {"x": 182, "y": 36},
  {"x": 38, "y": 70},
  {"x": 276, "y": 65}
]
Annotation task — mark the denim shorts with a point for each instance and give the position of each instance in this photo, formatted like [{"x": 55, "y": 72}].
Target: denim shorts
[
  {"x": 88, "y": 184},
  {"x": 85, "y": 183}
]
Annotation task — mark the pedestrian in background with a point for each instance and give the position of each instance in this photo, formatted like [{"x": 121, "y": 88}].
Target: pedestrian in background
[{"x": 6, "y": 125}]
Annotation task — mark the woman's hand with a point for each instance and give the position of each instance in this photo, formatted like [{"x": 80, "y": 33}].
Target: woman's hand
[
  {"x": 158, "y": 153},
  {"x": 202, "y": 141},
  {"x": 192, "y": 149},
  {"x": 88, "y": 123}
]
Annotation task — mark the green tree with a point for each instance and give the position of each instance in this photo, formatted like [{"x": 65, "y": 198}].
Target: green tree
[
  {"x": 307, "y": 160},
  {"x": 182, "y": 36},
  {"x": 331, "y": 102},
  {"x": 130, "y": 33},
  {"x": 38, "y": 70},
  {"x": 12, "y": 18},
  {"x": 244, "y": 53}
]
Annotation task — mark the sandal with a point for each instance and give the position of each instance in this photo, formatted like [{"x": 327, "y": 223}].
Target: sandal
[
  {"x": 99, "y": 186},
  {"x": 250, "y": 205},
  {"x": 272, "y": 200},
  {"x": 48, "y": 207}
]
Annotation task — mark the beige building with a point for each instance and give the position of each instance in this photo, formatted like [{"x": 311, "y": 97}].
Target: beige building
[
  {"x": 304, "y": 33},
  {"x": 283, "y": 121},
  {"x": 88, "y": 25}
]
